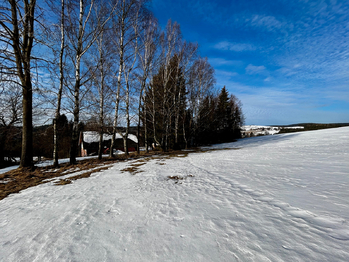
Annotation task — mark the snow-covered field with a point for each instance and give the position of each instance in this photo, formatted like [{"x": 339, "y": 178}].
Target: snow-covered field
[
  {"x": 271, "y": 198},
  {"x": 246, "y": 131}
]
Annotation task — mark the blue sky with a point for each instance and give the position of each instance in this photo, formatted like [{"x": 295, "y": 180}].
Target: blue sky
[{"x": 287, "y": 61}]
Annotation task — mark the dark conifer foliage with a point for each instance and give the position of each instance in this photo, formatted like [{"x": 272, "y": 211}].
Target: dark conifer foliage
[
  {"x": 167, "y": 99},
  {"x": 219, "y": 119}
]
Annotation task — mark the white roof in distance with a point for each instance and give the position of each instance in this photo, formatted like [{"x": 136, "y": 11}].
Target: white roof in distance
[{"x": 93, "y": 136}]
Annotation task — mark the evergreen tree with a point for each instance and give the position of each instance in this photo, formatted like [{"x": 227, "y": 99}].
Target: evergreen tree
[
  {"x": 223, "y": 113},
  {"x": 168, "y": 99}
]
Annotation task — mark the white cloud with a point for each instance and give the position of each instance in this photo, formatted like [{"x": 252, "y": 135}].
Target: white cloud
[
  {"x": 270, "y": 23},
  {"x": 225, "y": 73},
  {"x": 251, "y": 69},
  {"x": 217, "y": 61},
  {"x": 237, "y": 47}
]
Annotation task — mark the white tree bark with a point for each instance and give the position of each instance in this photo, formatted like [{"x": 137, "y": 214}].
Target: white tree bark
[{"x": 60, "y": 90}]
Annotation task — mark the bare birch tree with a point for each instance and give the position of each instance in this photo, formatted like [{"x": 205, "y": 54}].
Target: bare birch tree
[
  {"x": 81, "y": 37},
  {"x": 17, "y": 20},
  {"x": 100, "y": 82},
  {"x": 186, "y": 53},
  {"x": 201, "y": 83},
  {"x": 146, "y": 58},
  {"x": 60, "y": 89},
  {"x": 125, "y": 31},
  {"x": 170, "y": 41}
]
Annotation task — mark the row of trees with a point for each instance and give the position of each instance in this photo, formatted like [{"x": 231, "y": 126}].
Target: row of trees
[{"x": 106, "y": 62}]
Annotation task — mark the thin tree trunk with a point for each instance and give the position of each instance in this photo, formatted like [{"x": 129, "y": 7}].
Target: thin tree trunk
[
  {"x": 101, "y": 97},
  {"x": 184, "y": 134},
  {"x": 100, "y": 145},
  {"x": 139, "y": 119},
  {"x": 154, "y": 118},
  {"x": 145, "y": 128},
  {"x": 117, "y": 102},
  {"x": 101, "y": 117},
  {"x": 125, "y": 136},
  {"x": 59, "y": 98},
  {"x": 75, "y": 133}
]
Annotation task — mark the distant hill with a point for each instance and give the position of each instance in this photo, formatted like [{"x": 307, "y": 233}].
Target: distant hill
[
  {"x": 255, "y": 130},
  {"x": 311, "y": 126}
]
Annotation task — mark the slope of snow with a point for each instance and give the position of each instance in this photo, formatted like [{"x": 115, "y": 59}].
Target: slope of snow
[{"x": 272, "y": 198}]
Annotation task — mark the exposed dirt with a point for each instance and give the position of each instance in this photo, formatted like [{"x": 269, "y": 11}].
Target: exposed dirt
[
  {"x": 22, "y": 178},
  {"x": 178, "y": 178},
  {"x": 134, "y": 168},
  {"x": 68, "y": 180}
]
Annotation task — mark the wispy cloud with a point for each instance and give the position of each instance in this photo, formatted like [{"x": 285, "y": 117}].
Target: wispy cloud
[
  {"x": 252, "y": 69},
  {"x": 269, "y": 23},
  {"x": 237, "y": 47},
  {"x": 225, "y": 73},
  {"x": 285, "y": 60},
  {"x": 218, "y": 61}
]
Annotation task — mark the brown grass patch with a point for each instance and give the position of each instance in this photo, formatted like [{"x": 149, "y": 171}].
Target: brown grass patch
[
  {"x": 22, "y": 178},
  {"x": 134, "y": 168},
  {"x": 68, "y": 180}
]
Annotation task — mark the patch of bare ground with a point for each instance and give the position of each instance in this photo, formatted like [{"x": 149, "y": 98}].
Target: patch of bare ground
[
  {"x": 134, "y": 168},
  {"x": 22, "y": 178},
  {"x": 68, "y": 180},
  {"x": 177, "y": 178}
]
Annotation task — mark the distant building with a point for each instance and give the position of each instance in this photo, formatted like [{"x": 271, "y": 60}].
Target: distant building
[{"x": 89, "y": 143}]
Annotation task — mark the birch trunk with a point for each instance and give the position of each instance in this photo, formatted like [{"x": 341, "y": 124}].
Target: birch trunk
[
  {"x": 117, "y": 100},
  {"x": 59, "y": 97},
  {"x": 125, "y": 136},
  {"x": 145, "y": 128},
  {"x": 75, "y": 133},
  {"x": 101, "y": 96},
  {"x": 101, "y": 113}
]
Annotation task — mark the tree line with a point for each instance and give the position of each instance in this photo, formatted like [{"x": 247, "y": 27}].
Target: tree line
[{"x": 109, "y": 63}]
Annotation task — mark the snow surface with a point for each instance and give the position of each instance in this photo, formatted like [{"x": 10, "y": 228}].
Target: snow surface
[
  {"x": 50, "y": 162},
  {"x": 255, "y": 127},
  {"x": 267, "y": 130},
  {"x": 271, "y": 198}
]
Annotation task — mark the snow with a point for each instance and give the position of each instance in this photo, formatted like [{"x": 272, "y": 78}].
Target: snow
[
  {"x": 256, "y": 127},
  {"x": 60, "y": 161},
  {"x": 45, "y": 163},
  {"x": 293, "y": 127},
  {"x": 264, "y": 130},
  {"x": 92, "y": 136},
  {"x": 270, "y": 198},
  {"x": 6, "y": 169}
]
